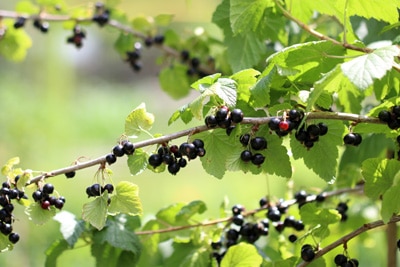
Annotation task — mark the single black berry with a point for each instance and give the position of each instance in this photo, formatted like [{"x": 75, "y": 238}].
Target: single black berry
[
  {"x": 211, "y": 121},
  {"x": 323, "y": 128},
  {"x": 274, "y": 214},
  {"x": 95, "y": 190},
  {"x": 111, "y": 158},
  {"x": 216, "y": 245},
  {"x": 59, "y": 204},
  {"x": 102, "y": 18},
  {"x": 263, "y": 201},
  {"x": 292, "y": 238},
  {"x": 109, "y": 188},
  {"x": 185, "y": 55},
  {"x": 307, "y": 253},
  {"x": 182, "y": 162},
  {"x": 70, "y": 174},
  {"x": 155, "y": 160},
  {"x": 274, "y": 123},
  {"x": 349, "y": 139},
  {"x": 195, "y": 63},
  {"x": 19, "y": 23},
  {"x": 225, "y": 124},
  {"x": 118, "y": 150},
  {"x": 258, "y": 143},
  {"x": 128, "y": 147},
  {"x": 237, "y": 209},
  {"x": 48, "y": 189},
  {"x": 353, "y": 262},
  {"x": 340, "y": 259},
  {"x": 320, "y": 197},
  {"x": 13, "y": 238},
  {"x": 198, "y": 143},
  {"x": 246, "y": 156},
  {"x": 232, "y": 234},
  {"x": 236, "y": 115},
  {"x": 384, "y": 116},
  {"x": 173, "y": 168},
  {"x": 300, "y": 196},
  {"x": 244, "y": 139},
  {"x": 258, "y": 159},
  {"x": 159, "y": 39},
  {"x": 37, "y": 195},
  {"x": 222, "y": 114},
  {"x": 238, "y": 219}
]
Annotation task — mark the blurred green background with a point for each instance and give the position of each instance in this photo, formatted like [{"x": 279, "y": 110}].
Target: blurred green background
[{"x": 63, "y": 103}]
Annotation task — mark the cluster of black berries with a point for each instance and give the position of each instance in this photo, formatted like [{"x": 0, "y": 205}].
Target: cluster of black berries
[
  {"x": 19, "y": 22},
  {"x": 342, "y": 261},
  {"x": 123, "y": 148},
  {"x": 102, "y": 15},
  {"x": 6, "y": 218},
  {"x": 342, "y": 208},
  {"x": 173, "y": 156},
  {"x": 391, "y": 117},
  {"x": 353, "y": 139},
  {"x": 43, "y": 26},
  {"x": 44, "y": 198},
  {"x": 256, "y": 144},
  {"x": 307, "y": 252},
  {"x": 77, "y": 35},
  {"x": 194, "y": 64},
  {"x": 308, "y": 136},
  {"x": 133, "y": 57},
  {"x": 289, "y": 121},
  {"x": 224, "y": 118}
]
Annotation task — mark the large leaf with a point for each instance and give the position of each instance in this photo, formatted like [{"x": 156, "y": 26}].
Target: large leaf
[
  {"x": 241, "y": 255},
  {"x": 319, "y": 218},
  {"x": 225, "y": 88},
  {"x": 362, "y": 70},
  {"x": 15, "y": 43},
  {"x": 137, "y": 162},
  {"x": 192, "y": 208},
  {"x": 391, "y": 200},
  {"x": 246, "y": 15},
  {"x": 70, "y": 228},
  {"x": 38, "y": 215},
  {"x": 138, "y": 120},
  {"x": 95, "y": 212},
  {"x": 54, "y": 251},
  {"x": 174, "y": 81},
  {"x": 126, "y": 199}
]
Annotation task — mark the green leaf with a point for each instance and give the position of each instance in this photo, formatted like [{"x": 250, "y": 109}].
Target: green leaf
[
  {"x": 260, "y": 91},
  {"x": 70, "y": 228},
  {"x": 241, "y": 255},
  {"x": 277, "y": 160},
  {"x": 225, "y": 88},
  {"x": 105, "y": 254},
  {"x": 218, "y": 146},
  {"x": 205, "y": 82},
  {"x": 124, "y": 43},
  {"x": 138, "y": 120},
  {"x": 126, "y": 258},
  {"x": 126, "y": 199},
  {"x": 188, "y": 255},
  {"x": 38, "y": 215},
  {"x": 26, "y": 7},
  {"x": 245, "y": 79},
  {"x": 95, "y": 212},
  {"x": 23, "y": 179},
  {"x": 142, "y": 23},
  {"x": 116, "y": 234},
  {"x": 8, "y": 167},
  {"x": 163, "y": 20},
  {"x": 244, "y": 51},
  {"x": 391, "y": 200},
  {"x": 137, "y": 162},
  {"x": 168, "y": 214},
  {"x": 326, "y": 148},
  {"x": 174, "y": 81},
  {"x": 247, "y": 15},
  {"x": 57, "y": 248},
  {"x": 112, "y": 3},
  {"x": 362, "y": 70},
  {"x": 379, "y": 174},
  {"x": 313, "y": 214},
  {"x": 187, "y": 211},
  {"x": 5, "y": 244}
]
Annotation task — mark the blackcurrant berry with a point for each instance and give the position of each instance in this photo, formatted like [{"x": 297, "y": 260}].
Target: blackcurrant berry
[
  {"x": 294, "y": 115},
  {"x": 3, "y": 201},
  {"x": 342, "y": 207},
  {"x": 292, "y": 238},
  {"x": 258, "y": 159},
  {"x": 109, "y": 188},
  {"x": 163, "y": 151},
  {"x": 237, "y": 209},
  {"x": 6, "y": 185},
  {"x": 263, "y": 202},
  {"x": 238, "y": 219},
  {"x": 284, "y": 125},
  {"x": 289, "y": 221},
  {"x": 89, "y": 191},
  {"x": 279, "y": 226},
  {"x": 129, "y": 148},
  {"x": 95, "y": 189},
  {"x": 320, "y": 197},
  {"x": 246, "y": 156},
  {"x": 111, "y": 158},
  {"x": 301, "y": 135},
  {"x": 232, "y": 234},
  {"x": 62, "y": 199},
  {"x": 258, "y": 143},
  {"x": 273, "y": 124},
  {"x": 225, "y": 124},
  {"x": 349, "y": 139},
  {"x": 19, "y": 23},
  {"x": 59, "y": 204},
  {"x": 201, "y": 152},
  {"x": 168, "y": 159},
  {"x": 396, "y": 111},
  {"x": 230, "y": 129},
  {"x": 313, "y": 130},
  {"x": 398, "y": 244},
  {"x": 216, "y": 245},
  {"x": 353, "y": 262},
  {"x": 236, "y": 115},
  {"x": 384, "y": 116},
  {"x": 70, "y": 174},
  {"x": 211, "y": 121},
  {"x": 173, "y": 168},
  {"x": 13, "y": 194},
  {"x": 298, "y": 225},
  {"x": 185, "y": 55},
  {"x": 307, "y": 253},
  {"x": 198, "y": 143},
  {"x": 358, "y": 139},
  {"x": 274, "y": 214},
  {"x": 182, "y": 162},
  {"x": 398, "y": 139},
  {"x": 37, "y": 195},
  {"x": 323, "y": 128},
  {"x": 340, "y": 259},
  {"x": 148, "y": 41},
  {"x": 244, "y": 139},
  {"x": 102, "y": 18},
  {"x": 9, "y": 208},
  {"x": 300, "y": 196},
  {"x": 48, "y": 189},
  {"x": 195, "y": 63},
  {"x": 6, "y": 229},
  {"x": 13, "y": 238},
  {"x": 222, "y": 114},
  {"x": 159, "y": 39}
]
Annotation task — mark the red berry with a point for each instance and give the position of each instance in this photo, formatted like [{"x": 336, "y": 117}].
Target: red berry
[
  {"x": 284, "y": 125},
  {"x": 45, "y": 205}
]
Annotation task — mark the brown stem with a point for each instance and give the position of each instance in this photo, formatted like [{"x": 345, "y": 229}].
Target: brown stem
[{"x": 391, "y": 240}]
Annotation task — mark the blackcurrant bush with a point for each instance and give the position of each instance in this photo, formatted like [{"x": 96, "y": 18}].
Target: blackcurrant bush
[
  {"x": 70, "y": 174},
  {"x": 128, "y": 147},
  {"x": 237, "y": 209},
  {"x": 236, "y": 115},
  {"x": 307, "y": 253},
  {"x": 244, "y": 139},
  {"x": 13, "y": 238},
  {"x": 292, "y": 238},
  {"x": 257, "y": 159},
  {"x": 340, "y": 259},
  {"x": 211, "y": 121},
  {"x": 111, "y": 158},
  {"x": 384, "y": 116},
  {"x": 246, "y": 156},
  {"x": 258, "y": 143},
  {"x": 48, "y": 189}
]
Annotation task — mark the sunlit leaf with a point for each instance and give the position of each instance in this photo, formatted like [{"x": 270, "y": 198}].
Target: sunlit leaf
[
  {"x": 126, "y": 199},
  {"x": 138, "y": 120}
]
